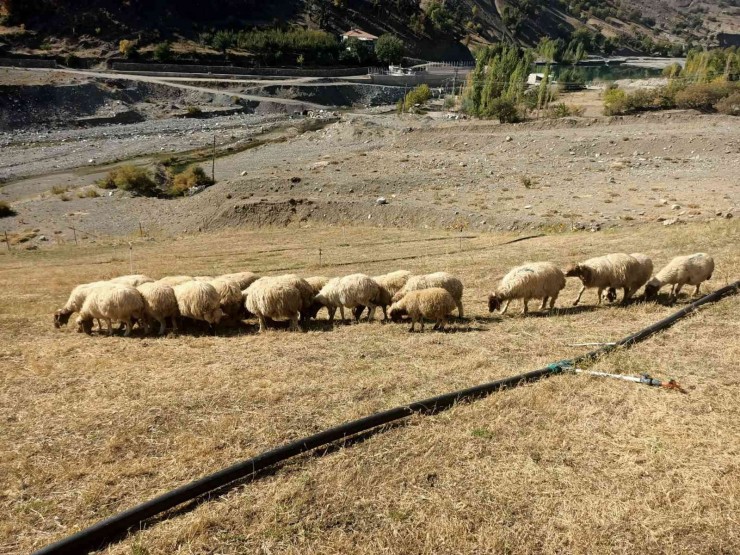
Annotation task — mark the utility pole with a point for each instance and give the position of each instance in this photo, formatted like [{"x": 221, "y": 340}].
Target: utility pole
[{"x": 213, "y": 160}]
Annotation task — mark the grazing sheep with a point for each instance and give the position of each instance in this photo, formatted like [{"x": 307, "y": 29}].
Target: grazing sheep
[
  {"x": 317, "y": 283},
  {"x": 641, "y": 278},
  {"x": 199, "y": 300},
  {"x": 389, "y": 284},
  {"x": 230, "y": 295},
  {"x": 117, "y": 302},
  {"x": 682, "y": 270},
  {"x": 446, "y": 281},
  {"x": 172, "y": 281},
  {"x": 348, "y": 292},
  {"x": 242, "y": 279},
  {"x": 534, "y": 280},
  {"x": 616, "y": 270},
  {"x": 132, "y": 281},
  {"x": 278, "y": 298},
  {"x": 433, "y": 304},
  {"x": 160, "y": 303},
  {"x": 76, "y": 300},
  {"x": 204, "y": 278}
]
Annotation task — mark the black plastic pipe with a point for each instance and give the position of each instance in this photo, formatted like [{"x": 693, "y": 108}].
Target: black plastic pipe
[{"x": 102, "y": 533}]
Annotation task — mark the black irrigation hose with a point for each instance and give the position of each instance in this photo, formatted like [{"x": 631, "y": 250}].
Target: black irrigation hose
[{"x": 102, "y": 533}]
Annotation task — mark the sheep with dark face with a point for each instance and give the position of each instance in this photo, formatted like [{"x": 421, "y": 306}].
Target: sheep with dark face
[
  {"x": 641, "y": 278},
  {"x": 389, "y": 285},
  {"x": 693, "y": 269},
  {"x": 433, "y": 303},
  {"x": 450, "y": 283},
  {"x": 616, "y": 270},
  {"x": 76, "y": 300},
  {"x": 534, "y": 280},
  {"x": 348, "y": 292},
  {"x": 199, "y": 300},
  {"x": 160, "y": 303},
  {"x": 279, "y": 298},
  {"x": 114, "y": 303}
]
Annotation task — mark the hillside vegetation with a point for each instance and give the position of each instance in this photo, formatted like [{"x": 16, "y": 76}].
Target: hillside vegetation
[{"x": 430, "y": 29}]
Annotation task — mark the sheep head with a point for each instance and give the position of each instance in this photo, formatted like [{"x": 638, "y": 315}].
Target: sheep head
[
  {"x": 383, "y": 298},
  {"x": 579, "y": 271},
  {"x": 494, "y": 302},
  {"x": 84, "y": 325},
  {"x": 652, "y": 288},
  {"x": 397, "y": 312},
  {"x": 61, "y": 317},
  {"x": 611, "y": 294}
]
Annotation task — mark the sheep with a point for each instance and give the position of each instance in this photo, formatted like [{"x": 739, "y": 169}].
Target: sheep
[
  {"x": 230, "y": 296},
  {"x": 317, "y": 283},
  {"x": 278, "y": 298},
  {"x": 433, "y": 303},
  {"x": 533, "y": 280},
  {"x": 641, "y": 278},
  {"x": 617, "y": 270},
  {"x": 160, "y": 303},
  {"x": 117, "y": 302},
  {"x": 199, "y": 300},
  {"x": 172, "y": 281},
  {"x": 451, "y": 283},
  {"x": 682, "y": 270},
  {"x": 242, "y": 279},
  {"x": 76, "y": 300},
  {"x": 133, "y": 280},
  {"x": 204, "y": 278},
  {"x": 389, "y": 284},
  {"x": 348, "y": 292}
]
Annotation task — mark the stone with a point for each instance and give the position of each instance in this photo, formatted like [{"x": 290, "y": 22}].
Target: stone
[
  {"x": 244, "y": 173},
  {"x": 381, "y": 200},
  {"x": 508, "y": 138}
]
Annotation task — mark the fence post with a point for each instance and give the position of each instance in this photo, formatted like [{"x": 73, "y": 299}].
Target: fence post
[
  {"x": 141, "y": 230},
  {"x": 7, "y": 241},
  {"x": 74, "y": 233},
  {"x": 319, "y": 257},
  {"x": 131, "y": 257}
]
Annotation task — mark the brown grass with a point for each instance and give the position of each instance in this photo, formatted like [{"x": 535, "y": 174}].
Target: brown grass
[{"x": 94, "y": 425}]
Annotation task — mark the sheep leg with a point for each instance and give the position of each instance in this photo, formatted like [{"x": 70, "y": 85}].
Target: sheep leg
[
  {"x": 543, "y": 306},
  {"x": 552, "y": 301},
  {"x": 371, "y": 314},
  {"x": 162, "y": 326},
  {"x": 341, "y": 313},
  {"x": 100, "y": 325},
  {"x": 413, "y": 321},
  {"x": 263, "y": 324},
  {"x": 294, "y": 323},
  {"x": 110, "y": 327},
  {"x": 580, "y": 294},
  {"x": 128, "y": 325},
  {"x": 601, "y": 292},
  {"x": 505, "y": 307},
  {"x": 332, "y": 311},
  {"x": 459, "y": 308},
  {"x": 678, "y": 290},
  {"x": 441, "y": 323},
  {"x": 526, "y": 306},
  {"x": 696, "y": 291},
  {"x": 174, "y": 323},
  {"x": 627, "y": 295},
  {"x": 385, "y": 313},
  {"x": 422, "y": 324}
]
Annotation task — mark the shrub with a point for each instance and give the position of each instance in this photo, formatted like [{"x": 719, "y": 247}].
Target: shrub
[
  {"x": 615, "y": 102},
  {"x": 5, "y": 210},
  {"x": 130, "y": 178},
  {"x": 504, "y": 109},
  {"x": 59, "y": 189},
  {"x": 193, "y": 112},
  {"x": 418, "y": 95},
  {"x": 672, "y": 71},
  {"x": 563, "y": 110},
  {"x": 571, "y": 79},
  {"x": 730, "y": 105},
  {"x": 127, "y": 48},
  {"x": 389, "y": 49},
  {"x": 163, "y": 52},
  {"x": 88, "y": 193},
  {"x": 193, "y": 176},
  {"x": 703, "y": 96}
]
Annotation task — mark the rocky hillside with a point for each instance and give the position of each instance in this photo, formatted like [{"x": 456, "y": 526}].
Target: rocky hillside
[{"x": 431, "y": 29}]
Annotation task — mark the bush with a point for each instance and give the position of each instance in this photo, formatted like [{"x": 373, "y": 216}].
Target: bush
[
  {"x": 672, "y": 71},
  {"x": 615, "y": 102},
  {"x": 59, "y": 189},
  {"x": 563, "y": 110},
  {"x": 127, "y": 48},
  {"x": 193, "y": 176},
  {"x": 163, "y": 52},
  {"x": 88, "y": 193},
  {"x": 571, "y": 79},
  {"x": 418, "y": 95},
  {"x": 730, "y": 105},
  {"x": 504, "y": 109},
  {"x": 5, "y": 210},
  {"x": 130, "y": 178},
  {"x": 704, "y": 96},
  {"x": 389, "y": 49},
  {"x": 193, "y": 112}
]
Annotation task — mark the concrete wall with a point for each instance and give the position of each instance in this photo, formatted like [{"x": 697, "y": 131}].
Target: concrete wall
[
  {"x": 232, "y": 70},
  {"x": 27, "y": 62}
]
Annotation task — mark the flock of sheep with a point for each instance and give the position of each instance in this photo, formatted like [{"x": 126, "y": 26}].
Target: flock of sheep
[{"x": 234, "y": 297}]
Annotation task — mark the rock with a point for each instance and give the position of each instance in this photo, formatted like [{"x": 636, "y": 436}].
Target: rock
[
  {"x": 611, "y": 180},
  {"x": 718, "y": 213},
  {"x": 91, "y": 161},
  {"x": 508, "y": 138},
  {"x": 381, "y": 200},
  {"x": 529, "y": 206},
  {"x": 728, "y": 216},
  {"x": 670, "y": 222},
  {"x": 43, "y": 238},
  {"x": 676, "y": 207},
  {"x": 295, "y": 179},
  {"x": 244, "y": 173}
]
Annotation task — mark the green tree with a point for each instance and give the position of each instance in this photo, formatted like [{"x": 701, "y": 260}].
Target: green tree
[
  {"x": 163, "y": 52},
  {"x": 223, "y": 40},
  {"x": 389, "y": 49}
]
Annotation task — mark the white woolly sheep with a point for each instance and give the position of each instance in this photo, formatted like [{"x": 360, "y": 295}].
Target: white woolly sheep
[
  {"x": 278, "y": 298},
  {"x": 389, "y": 284},
  {"x": 199, "y": 300},
  {"x": 76, "y": 300},
  {"x": 616, "y": 270},
  {"x": 117, "y": 302},
  {"x": 317, "y": 283},
  {"x": 132, "y": 281},
  {"x": 242, "y": 279},
  {"x": 172, "y": 281},
  {"x": 348, "y": 292},
  {"x": 230, "y": 295},
  {"x": 693, "y": 269},
  {"x": 160, "y": 303},
  {"x": 446, "y": 281},
  {"x": 534, "y": 280},
  {"x": 641, "y": 278},
  {"x": 204, "y": 278},
  {"x": 433, "y": 304}
]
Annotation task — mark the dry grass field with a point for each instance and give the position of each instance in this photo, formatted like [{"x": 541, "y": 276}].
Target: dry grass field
[{"x": 90, "y": 426}]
